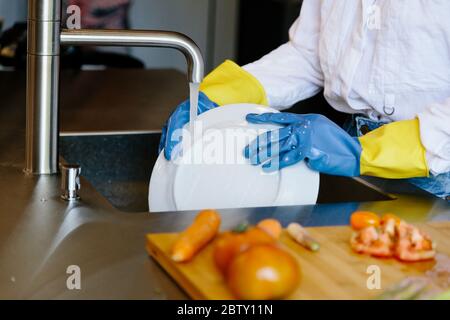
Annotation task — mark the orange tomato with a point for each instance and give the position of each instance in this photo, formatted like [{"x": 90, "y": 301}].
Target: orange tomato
[
  {"x": 362, "y": 219},
  {"x": 226, "y": 247},
  {"x": 388, "y": 216},
  {"x": 263, "y": 272},
  {"x": 255, "y": 236},
  {"x": 229, "y": 244},
  {"x": 271, "y": 226}
]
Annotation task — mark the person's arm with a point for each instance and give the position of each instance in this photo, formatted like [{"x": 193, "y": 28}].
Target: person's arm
[
  {"x": 281, "y": 78},
  {"x": 435, "y": 136},
  {"x": 409, "y": 148},
  {"x": 292, "y": 72},
  {"x": 393, "y": 151},
  {"x": 401, "y": 149}
]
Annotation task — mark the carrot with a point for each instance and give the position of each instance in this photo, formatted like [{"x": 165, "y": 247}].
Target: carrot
[
  {"x": 271, "y": 226},
  {"x": 196, "y": 236}
]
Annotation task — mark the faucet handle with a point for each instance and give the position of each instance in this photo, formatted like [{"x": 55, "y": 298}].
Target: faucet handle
[{"x": 70, "y": 181}]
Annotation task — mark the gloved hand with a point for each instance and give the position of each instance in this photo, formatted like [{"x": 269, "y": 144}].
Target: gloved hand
[
  {"x": 177, "y": 120},
  {"x": 323, "y": 145},
  {"x": 391, "y": 151},
  {"x": 227, "y": 84}
]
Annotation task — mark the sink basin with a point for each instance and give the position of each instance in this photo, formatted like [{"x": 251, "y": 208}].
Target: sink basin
[{"x": 119, "y": 166}]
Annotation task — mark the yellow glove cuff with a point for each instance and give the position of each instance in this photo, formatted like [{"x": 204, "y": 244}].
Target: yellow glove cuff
[
  {"x": 229, "y": 84},
  {"x": 394, "y": 151}
]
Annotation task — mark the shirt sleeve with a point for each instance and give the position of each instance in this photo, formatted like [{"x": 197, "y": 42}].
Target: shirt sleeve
[
  {"x": 435, "y": 136},
  {"x": 292, "y": 72}
]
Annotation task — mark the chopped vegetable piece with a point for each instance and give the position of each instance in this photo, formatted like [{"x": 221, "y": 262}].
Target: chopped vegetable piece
[
  {"x": 408, "y": 289},
  {"x": 373, "y": 241},
  {"x": 300, "y": 234},
  {"x": 394, "y": 237},
  {"x": 241, "y": 227},
  {"x": 413, "y": 244},
  {"x": 271, "y": 226},
  {"x": 263, "y": 272},
  {"x": 229, "y": 244},
  {"x": 442, "y": 296},
  {"x": 196, "y": 236},
  {"x": 388, "y": 216},
  {"x": 362, "y": 219}
]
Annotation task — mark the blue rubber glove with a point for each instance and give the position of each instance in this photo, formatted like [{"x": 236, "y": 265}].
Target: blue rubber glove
[
  {"x": 323, "y": 145},
  {"x": 177, "y": 120}
]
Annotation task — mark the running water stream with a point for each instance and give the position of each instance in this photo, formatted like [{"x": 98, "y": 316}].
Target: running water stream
[
  {"x": 194, "y": 88},
  {"x": 193, "y": 111}
]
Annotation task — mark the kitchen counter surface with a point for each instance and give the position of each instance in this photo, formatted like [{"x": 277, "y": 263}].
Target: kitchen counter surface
[
  {"x": 109, "y": 100},
  {"x": 41, "y": 236}
]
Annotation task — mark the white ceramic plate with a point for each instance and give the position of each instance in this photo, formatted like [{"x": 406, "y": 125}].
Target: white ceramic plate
[{"x": 213, "y": 173}]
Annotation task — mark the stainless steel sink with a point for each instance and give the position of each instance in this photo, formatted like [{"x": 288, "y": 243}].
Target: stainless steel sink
[{"x": 119, "y": 166}]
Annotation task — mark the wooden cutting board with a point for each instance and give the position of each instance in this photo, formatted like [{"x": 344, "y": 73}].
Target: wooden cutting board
[{"x": 335, "y": 272}]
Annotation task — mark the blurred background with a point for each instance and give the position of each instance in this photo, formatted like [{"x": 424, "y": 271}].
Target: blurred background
[{"x": 241, "y": 30}]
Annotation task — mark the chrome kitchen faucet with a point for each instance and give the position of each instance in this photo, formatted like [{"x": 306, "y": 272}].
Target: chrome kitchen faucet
[{"x": 45, "y": 37}]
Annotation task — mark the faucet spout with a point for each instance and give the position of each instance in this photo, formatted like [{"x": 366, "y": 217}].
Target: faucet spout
[
  {"x": 140, "y": 38},
  {"x": 44, "y": 40}
]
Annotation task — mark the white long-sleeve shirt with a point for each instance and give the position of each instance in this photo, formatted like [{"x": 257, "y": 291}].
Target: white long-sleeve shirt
[{"x": 389, "y": 60}]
